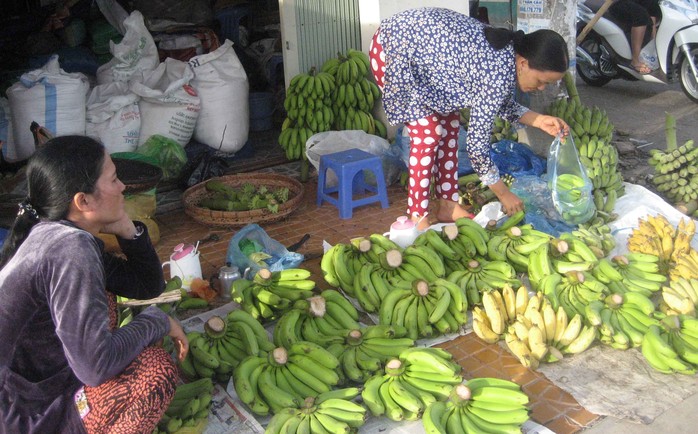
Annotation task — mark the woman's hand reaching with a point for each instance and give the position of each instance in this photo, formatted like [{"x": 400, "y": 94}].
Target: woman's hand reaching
[
  {"x": 179, "y": 338},
  {"x": 511, "y": 203},
  {"x": 552, "y": 125}
]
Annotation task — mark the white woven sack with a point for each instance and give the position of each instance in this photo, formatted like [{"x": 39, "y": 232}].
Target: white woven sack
[
  {"x": 169, "y": 105},
  {"x": 113, "y": 117},
  {"x": 222, "y": 84},
  {"x": 135, "y": 53},
  {"x": 50, "y": 97}
]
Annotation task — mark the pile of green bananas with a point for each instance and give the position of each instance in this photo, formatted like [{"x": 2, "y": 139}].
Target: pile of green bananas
[
  {"x": 592, "y": 133},
  {"x": 371, "y": 286},
  {"x": 223, "y": 344},
  {"x": 355, "y": 95},
  {"x": 417, "y": 379},
  {"x": 308, "y": 106},
  {"x": 543, "y": 334},
  {"x": 515, "y": 243},
  {"x": 269, "y": 294},
  {"x": 285, "y": 377},
  {"x": 481, "y": 405},
  {"x": 672, "y": 346},
  {"x": 680, "y": 296},
  {"x": 622, "y": 319},
  {"x": 422, "y": 306},
  {"x": 480, "y": 275},
  {"x": 501, "y": 308},
  {"x": 365, "y": 350},
  {"x": 501, "y": 130},
  {"x": 330, "y": 412},
  {"x": 323, "y": 319},
  {"x": 189, "y": 407}
]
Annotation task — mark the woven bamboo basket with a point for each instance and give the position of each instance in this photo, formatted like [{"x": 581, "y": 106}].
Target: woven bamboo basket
[{"x": 193, "y": 196}]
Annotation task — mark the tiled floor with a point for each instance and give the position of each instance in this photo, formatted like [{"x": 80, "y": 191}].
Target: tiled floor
[{"x": 550, "y": 405}]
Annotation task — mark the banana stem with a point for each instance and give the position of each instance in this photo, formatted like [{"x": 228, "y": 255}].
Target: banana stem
[
  {"x": 571, "y": 87},
  {"x": 670, "y": 132}
]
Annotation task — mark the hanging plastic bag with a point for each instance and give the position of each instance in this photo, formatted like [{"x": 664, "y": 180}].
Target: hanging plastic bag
[{"x": 569, "y": 184}]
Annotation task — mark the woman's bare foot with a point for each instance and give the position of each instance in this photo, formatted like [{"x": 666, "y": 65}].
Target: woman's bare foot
[
  {"x": 449, "y": 211},
  {"x": 422, "y": 222}
]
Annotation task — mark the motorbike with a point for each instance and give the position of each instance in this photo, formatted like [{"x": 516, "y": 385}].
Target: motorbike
[{"x": 605, "y": 54}]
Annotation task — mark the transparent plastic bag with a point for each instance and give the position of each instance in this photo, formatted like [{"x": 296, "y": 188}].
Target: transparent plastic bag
[
  {"x": 570, "y": 187},
  {"x": 279, "y": 258},
  {"x": 170, "y": 155}
]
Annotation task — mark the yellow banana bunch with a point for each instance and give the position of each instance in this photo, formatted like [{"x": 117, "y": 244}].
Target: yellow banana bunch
[
  {"x": 285, "y": 377},
  {"x": 500, "y": 309},
  {"x": 656, "y": 236},
  {"x": 412, "y": 382},
  {"x": 685, "y": 265},
  {"x": 331, "y": 412},
  {"x": 269, "y": 294},
  {"x": 543, "y": 334},
  {"x": 190, "y": 406},
  {"x": 622, "y": 319},
  {"x": 480, "y": 405},
  {"x": 680, "y": 296}
]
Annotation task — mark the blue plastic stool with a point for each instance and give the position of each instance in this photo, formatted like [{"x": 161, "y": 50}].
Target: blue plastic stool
[{"x": 349, "y": 166}]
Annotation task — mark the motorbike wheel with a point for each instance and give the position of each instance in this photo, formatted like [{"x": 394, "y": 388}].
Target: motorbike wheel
[
  {"x": 689, "y": 84},
  {"x": 591, "y": 76}
]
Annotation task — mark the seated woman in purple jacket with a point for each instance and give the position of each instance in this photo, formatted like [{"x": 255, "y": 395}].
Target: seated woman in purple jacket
[{"x": 64, "y": 364}]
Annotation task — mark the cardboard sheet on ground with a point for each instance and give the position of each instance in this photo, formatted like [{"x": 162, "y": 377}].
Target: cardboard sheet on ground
[{"x": 619, "y": 383}]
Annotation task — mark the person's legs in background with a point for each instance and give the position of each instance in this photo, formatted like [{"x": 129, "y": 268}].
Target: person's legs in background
[{"x": 638, "y": 19}]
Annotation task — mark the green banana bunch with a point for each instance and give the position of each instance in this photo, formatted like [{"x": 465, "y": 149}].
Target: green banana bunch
[
  {"x": 413, "y": 262},
  {"x": 323, "y": 319},
  {"x": 285, "y": 377},
  {"x": 623, "y": 318},
  {"x": 572, "y": 290},
  {"x": 639, "y": 272},
  {"x": 453, "y": 248},
  {"x": 364, "y": 351},
  {"x": 514, "y": 244},
  {"x": 425, "y": 308},
  {"x": 412, "y": 382},
  {"x": 500, "y": 308},
  {"x": 501, "y": 130},
  {"x": 481, "y": 275},
  {"x": 269, "y": 294},
  {"x": 661, "y": 343},
  {"x": 597, "y": 237},
  {"x": 480, "y": 405},
  {"x": 569, "y": 253},
  {"x": 340, "y": 264},
  {"x": 307, "y": 105},
  {"x": 329, "y": 412},
  {"x": 683, "y": 336},
  {"x": 189, "y": 406}
]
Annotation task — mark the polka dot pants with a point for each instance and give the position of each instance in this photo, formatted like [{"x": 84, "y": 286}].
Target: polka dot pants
[{"x": 433, "y": 147}]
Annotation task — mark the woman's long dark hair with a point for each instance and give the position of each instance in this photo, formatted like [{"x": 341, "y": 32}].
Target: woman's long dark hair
[
  {"x": 544, "y": 49},
  {"x": 61, "y": 168}
]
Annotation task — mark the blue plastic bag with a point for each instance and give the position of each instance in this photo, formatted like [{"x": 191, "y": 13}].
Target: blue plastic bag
[{"x": 280, "y": 257}]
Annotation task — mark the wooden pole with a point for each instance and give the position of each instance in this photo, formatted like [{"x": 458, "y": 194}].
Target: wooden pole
[{"x": 602, "y": 10}]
